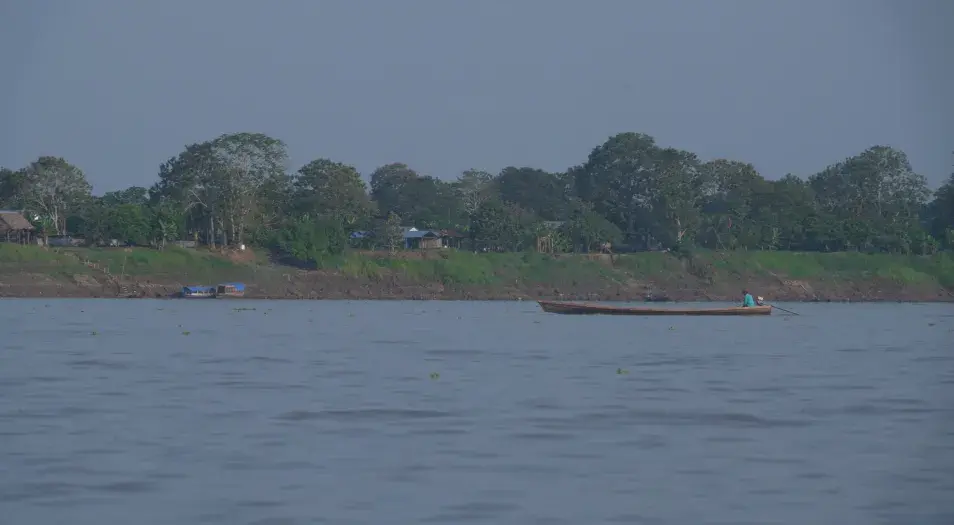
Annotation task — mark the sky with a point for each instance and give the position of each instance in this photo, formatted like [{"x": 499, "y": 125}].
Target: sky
[{"x": 117, "y": 87}]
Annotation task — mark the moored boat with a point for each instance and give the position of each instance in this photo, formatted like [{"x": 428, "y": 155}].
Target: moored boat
[
  {"x": 197, "y": 292},
  {"x": 230, "y": 290},
  {"x": 559, "y": 307}
]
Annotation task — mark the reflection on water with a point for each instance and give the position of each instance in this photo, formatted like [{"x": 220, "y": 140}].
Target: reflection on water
[{"x": 395, "y": 412}]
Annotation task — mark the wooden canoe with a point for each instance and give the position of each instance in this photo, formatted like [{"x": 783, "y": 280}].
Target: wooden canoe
[{"x": 556, "y": 307}]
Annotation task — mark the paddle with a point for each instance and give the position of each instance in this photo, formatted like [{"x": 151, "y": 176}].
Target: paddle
[{"x": 782, "y": 309}]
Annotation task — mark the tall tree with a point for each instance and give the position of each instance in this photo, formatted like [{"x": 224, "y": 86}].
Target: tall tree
[
  {"x": 332, "y": 189},
  {"x": 166, "y": 222},
  {"x": 876, "y": 196},
  {"x": 474, "y": 188},
  {"x": 587, "y": 229},
  {"x": 132, "y": 195},
  {"x": 389, "y": 233},
  {"x": 11, "y": 187},
  {"x": 677, "y": 193},
  {"x": 535, "y": 190},
  {"x": 387, "y": 182},
  {"x": 245, "y": 162},
  {"x": 941, "y": 213},
  {"x": 615, "y": 179},
  {"x": 221, "y": 182},
  {"x": 730, "y": 220},
  {"x": 499, "y": 225},
  {"x": 428, "y": 202},
  {"x": 783, "y": 209},
  {"x": 53, "y": 188},
  {"x": 187, "y": 181}
]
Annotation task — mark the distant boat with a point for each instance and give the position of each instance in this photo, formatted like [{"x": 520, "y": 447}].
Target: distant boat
[
  {"x": 230, "y": 290},
  {"x": 556, "y": 307},
  {"x": 197, "y": 292}
]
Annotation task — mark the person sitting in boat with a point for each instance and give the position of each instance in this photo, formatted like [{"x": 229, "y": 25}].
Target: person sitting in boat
[
  {"x": 747, "y": 300},
  {"x": 759, "y": 301}
]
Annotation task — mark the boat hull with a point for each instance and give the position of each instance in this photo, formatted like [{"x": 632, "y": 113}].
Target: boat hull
[
  {"x": 197, "y": 292},
  {"x": 212, "y": 292},
  {"x": 230, "y": 290},
  {"x": 557, "y": 307}
]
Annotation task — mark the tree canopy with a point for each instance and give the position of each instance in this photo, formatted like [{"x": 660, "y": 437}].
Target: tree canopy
[{"x": 629, "y": 191}]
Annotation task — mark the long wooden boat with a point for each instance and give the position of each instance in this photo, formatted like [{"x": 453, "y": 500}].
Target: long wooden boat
[{"x": 559, "y": 307}]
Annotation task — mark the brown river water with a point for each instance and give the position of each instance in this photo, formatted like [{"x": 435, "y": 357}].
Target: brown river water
[{"x": 296, "y": 412}]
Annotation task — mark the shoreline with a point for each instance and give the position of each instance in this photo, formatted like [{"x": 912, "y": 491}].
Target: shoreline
[
  {"x": 68, "y": 292},
  {"x": 652, "y": 277},
  {"x": 497, "y": 300}
]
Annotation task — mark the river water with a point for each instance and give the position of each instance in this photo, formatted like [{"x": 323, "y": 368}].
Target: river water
[{"x": 275, "y": 412}]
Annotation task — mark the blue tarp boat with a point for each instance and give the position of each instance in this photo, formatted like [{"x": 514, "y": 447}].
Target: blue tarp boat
[{"x": 197, "y": 292}]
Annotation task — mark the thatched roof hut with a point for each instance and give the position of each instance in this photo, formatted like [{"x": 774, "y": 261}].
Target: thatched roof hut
[
  {"x": 14, "y": 227},
  {"x": 14, "y": 221}
]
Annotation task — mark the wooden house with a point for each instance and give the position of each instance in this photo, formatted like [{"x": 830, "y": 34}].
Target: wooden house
[
  {"x": 451, "y": 238},
  {"x": 415, "y": 239}
]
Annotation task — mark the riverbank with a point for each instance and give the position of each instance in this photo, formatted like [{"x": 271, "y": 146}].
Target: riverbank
[{"x": 30, "y": 271}]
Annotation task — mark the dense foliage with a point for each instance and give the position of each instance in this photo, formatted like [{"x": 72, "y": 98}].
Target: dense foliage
[{"x": 630, "y": 193}]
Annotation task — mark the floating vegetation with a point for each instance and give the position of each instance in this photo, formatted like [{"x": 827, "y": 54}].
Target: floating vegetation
[
  {"x": 435, "y": 376},
  {"x": 622, "y": 371},
  {"x": 242, "y": 309},
  {"x": 186, "y": 332}
]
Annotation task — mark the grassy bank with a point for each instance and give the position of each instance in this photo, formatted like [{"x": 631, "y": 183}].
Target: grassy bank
[{"x": 448, "y": 274}]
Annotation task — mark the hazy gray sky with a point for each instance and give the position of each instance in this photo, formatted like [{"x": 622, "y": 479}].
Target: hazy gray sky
[{"x": 117, "y": 86}]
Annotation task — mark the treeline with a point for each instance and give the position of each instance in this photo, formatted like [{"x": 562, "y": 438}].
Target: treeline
[{"x": 630, "y": 193}]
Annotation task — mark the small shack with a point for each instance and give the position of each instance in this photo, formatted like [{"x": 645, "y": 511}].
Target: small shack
[
  {"x": 451, "y": 238},
  {"x": 15, "y": 228},
  {"x": 421, "y": 239}
]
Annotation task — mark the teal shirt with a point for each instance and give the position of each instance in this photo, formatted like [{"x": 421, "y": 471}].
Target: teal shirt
[{"x": 748, "y": 301}]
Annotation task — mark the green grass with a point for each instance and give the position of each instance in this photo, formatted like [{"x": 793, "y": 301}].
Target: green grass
[
  {"x": 491, "y": 270},
  {"x": 146, "y": 261},
  {"x": 647, "y": 264},
  {"x": 464, "y": 268},
  {"x": 172, "y": 263},
  {"x": 496, "y": 269},
  {"x": 28, "y": 254},
  {"x": 16, "y": 258},
  {"x": 450, "y": 268},
  {"x": 903, "y": 269}
]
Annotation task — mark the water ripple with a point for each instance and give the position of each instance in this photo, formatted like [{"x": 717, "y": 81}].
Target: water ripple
[
  {"x": 528, "y": 418},
  {"x": 365, "y": 414}
]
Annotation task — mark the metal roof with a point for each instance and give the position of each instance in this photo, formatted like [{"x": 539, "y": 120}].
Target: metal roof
[
  {"x": 198, "y": 288},
  {"x": 419, "y": 234}
]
